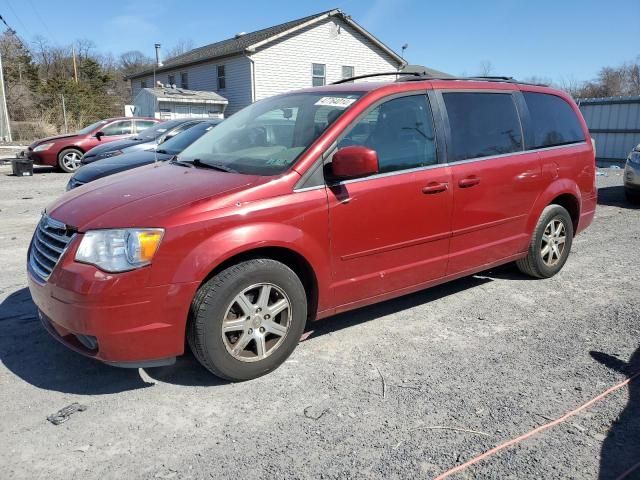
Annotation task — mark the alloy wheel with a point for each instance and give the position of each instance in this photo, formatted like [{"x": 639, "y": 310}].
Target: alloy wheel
[
  {"x": 553, "y": 242},
  {"x": 256, "y": 322},
  {"x": 71, "y": 160}
]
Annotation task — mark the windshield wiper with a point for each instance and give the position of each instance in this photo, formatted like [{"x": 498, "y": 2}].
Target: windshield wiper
[
  {"x": 182, "y": 163},
  {"x": 214, "y": 166}
]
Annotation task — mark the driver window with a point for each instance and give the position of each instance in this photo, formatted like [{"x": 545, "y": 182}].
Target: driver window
[
  {"x": 401, "y": 131},
  {"x": 118, "y": 128}
]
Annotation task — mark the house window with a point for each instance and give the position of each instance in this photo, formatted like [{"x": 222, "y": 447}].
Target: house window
[
  {"x": 318, "y": 74},
  {"x": 184, "y": 80},
  {"x": 172, "y": 80},
  {"x": 348, "y": 72},
  {"x": 143, "y": 84},
  {"x": 222, "y": 83}
]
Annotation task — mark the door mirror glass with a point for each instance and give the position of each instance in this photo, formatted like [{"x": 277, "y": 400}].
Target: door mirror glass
[{"x": 353, "y": 162}]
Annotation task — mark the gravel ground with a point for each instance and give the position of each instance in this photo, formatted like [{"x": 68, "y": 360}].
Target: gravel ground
[{"x": 496, "y": 353}]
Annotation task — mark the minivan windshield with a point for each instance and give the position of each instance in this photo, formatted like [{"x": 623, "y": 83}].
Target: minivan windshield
[{"x": 267, "y": 137}]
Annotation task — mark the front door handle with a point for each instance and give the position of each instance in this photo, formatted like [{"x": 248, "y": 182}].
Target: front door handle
[
  {"x": 469, "y": 182},
  {"x": 435, "y": 187}
]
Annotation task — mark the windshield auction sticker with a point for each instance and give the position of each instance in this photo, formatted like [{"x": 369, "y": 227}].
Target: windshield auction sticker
[{"x": 338, "y": 102}]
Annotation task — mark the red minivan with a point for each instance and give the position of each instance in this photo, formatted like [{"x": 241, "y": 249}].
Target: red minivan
[{"x": 308, "y": 204}]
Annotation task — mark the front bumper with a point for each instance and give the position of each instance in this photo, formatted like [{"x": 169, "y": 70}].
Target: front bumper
[
  {"x": 632, "y": 176},
  {"x": 113, "y": 318},
  {"x": 46, "y": 157}
]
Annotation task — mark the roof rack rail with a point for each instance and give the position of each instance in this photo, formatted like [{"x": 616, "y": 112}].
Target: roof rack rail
[
  {"x": 422, "y": 78},
  {"x": 369, "y": 75},
  {"x": 492, "y": 77},
  {"x": 418, "y": 76}
]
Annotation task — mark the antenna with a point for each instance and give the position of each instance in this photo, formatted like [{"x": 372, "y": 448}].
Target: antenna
[{"x": 404, "y": 47}]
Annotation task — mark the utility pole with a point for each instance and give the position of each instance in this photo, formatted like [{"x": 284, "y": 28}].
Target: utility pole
[
  {"x": 5, "y": 127},
  {"x": 75, "y": 68},
  {"x": 64, "y": 115}
]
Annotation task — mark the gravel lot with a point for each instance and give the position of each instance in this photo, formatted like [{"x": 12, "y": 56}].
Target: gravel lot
[{"x": 496, "y": 353}]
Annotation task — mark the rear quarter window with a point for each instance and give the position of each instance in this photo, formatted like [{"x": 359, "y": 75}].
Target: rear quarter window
[
  {"x": 482, "y": 124},
  {"x": 553, "y": 121}
]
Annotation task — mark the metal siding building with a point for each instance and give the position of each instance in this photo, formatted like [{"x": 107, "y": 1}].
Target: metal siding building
[
  {"x": 614, "y": 123},
  {"x": 170, "y": 103}
]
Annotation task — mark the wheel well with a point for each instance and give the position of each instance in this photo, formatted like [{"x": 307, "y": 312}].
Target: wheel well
[
  {"x": 71, "y": 147},
  {"x": 571, "y": 205},
  {"x": 291, "y": 259}
]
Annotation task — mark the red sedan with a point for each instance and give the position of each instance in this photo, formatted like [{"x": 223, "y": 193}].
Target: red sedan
[{"x": 65, "y": 151}]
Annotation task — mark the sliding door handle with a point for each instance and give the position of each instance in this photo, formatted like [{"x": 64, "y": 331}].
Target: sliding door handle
[
  {"x": 435, "y": 187},
  {"x": 469, "y": 182}
]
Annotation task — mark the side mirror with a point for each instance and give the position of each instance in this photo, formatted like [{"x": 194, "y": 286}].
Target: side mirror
[
  {"x": 353, "y": 162},
  {"x": 99, "y": 135}
]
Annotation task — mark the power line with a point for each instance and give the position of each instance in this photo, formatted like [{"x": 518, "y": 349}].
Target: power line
[
  {"x": 18, "y": 18},
  {"x": 46, "y": 27},
  {"x": 13, "y": 33},
  {"x": 10, "y": 30}
]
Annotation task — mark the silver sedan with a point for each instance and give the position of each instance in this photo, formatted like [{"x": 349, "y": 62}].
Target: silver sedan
[{"x": 632, "y": 175}]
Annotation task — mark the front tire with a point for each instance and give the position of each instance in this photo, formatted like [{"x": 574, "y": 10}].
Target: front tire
[
  {"x": 247, "y": 319},
  {"x": 550, "y": 244},
  {"x": 69, "y": 160}
]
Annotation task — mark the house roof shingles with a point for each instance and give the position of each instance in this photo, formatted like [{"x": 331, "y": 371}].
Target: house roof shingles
[
  {"x": 240, "y": 43},
  {"x": 235, "y": 45},
  {"x": 180, "y": 94}
]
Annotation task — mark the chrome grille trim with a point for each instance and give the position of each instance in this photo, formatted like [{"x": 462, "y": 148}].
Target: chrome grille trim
[{"x": 49, "y": 243}]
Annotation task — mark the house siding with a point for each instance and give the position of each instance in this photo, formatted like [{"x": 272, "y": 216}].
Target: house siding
[
  {"x": 204, "y": 77},
  {"x": 287, "y": 63}
]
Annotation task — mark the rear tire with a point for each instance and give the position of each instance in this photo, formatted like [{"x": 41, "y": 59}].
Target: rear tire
[
  {"x": 69, "y": 160},
  {"x": 550, "y": 244},
  {"x": 247, "y": 320}
]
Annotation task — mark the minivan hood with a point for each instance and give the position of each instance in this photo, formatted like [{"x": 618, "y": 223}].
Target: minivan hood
[
  {"x": 143, "y": 197},
  {"x": 109, "y": 166}
]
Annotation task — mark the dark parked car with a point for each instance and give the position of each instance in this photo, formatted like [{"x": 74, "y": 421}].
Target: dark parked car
[
  {"x": 382, "y": 189},
  {"x": 163, "y": 152},
  {"x": 632, "y": 175},
  {"x": 148, "y": 139},
  {"x": 65, "y": 151}
]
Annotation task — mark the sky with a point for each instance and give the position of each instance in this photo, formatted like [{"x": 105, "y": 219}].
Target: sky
[{"x": 561, "y": 40}]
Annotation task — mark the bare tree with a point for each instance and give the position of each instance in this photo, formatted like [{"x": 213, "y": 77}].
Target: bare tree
[
  {"x": 486, "y": 68},
  {"x": 182, "y": 46},
  {"x": 133, "y": 61}
]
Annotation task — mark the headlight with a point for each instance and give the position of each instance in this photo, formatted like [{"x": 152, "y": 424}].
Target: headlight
[
  {"x": 110, "y": 154},
  {"x": 44, "y": 146},
  {"x": 119, "y": 250},
  {"x": 634, "y": 157}
]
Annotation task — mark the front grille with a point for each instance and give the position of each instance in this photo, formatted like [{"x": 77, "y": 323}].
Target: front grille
[{"x": 49, "y": 243}]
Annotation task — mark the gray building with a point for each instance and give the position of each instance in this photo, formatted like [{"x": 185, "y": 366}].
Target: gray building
[
  {"x": 171, "y": 103},
  {"x": 614, "y": 123},
  {"x": 310, "y": 51}
]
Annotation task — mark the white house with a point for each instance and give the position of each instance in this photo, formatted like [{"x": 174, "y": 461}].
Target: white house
[
  {"x": 169, "y": 103},
  {"x": 314, "y": 50}
]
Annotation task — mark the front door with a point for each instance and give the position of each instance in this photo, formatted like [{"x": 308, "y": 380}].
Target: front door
[
  {"x": 495, "y": 183},
  {"x": 391, "y": 230}
]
